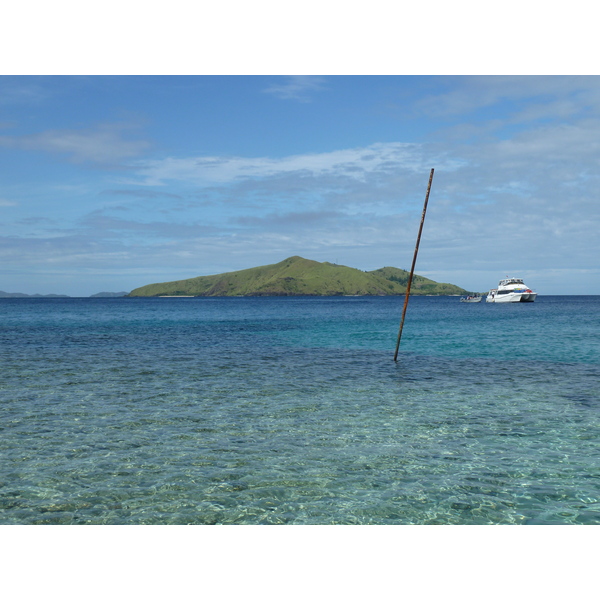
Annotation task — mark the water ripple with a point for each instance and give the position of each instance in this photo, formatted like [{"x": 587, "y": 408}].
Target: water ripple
[{"x": 150, "y": 412}]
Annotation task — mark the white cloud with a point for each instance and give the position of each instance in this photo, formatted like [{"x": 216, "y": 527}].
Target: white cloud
[
  {"x": 354, "y": 163},
  {"x": 296, "y": 87},
  {"x": 104, "y": 144},
  {"x": 529, "y": 97},
  {"x": 19, "y": 91}
]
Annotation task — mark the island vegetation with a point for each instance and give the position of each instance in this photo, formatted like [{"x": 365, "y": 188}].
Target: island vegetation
[{"x": 297, "y": 276}]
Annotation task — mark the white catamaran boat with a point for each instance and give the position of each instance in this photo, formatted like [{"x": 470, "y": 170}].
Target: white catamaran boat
[{"x": 511, "y": 289}]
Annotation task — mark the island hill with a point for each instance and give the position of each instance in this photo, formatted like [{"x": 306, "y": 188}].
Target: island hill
[{"x": 297, "y": 276}]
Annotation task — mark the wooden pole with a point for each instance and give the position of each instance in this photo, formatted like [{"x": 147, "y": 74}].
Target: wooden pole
[{"x": 412, "y": 268}]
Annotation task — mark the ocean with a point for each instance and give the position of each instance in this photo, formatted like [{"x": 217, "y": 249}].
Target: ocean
[{"x": 291, "y": 410}]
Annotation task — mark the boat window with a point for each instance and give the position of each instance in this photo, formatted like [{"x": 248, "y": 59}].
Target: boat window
[{"x": 509, "y": 281}]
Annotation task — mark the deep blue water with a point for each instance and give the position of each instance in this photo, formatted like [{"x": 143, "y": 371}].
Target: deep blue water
[{"x": 292, "y": 410}]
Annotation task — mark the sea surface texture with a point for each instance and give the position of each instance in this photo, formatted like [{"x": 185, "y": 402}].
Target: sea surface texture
[{"x": 293, "y": 411}]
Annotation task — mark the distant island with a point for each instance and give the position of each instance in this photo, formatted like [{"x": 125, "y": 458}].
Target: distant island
[
  {"x": 18, "y": 295},
  {"x": 297, "y": 276},
  {"x": 109, "y": 295},
  {"x": 99, "y": 295}
]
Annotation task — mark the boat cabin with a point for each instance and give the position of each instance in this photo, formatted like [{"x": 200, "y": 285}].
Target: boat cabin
[{"x": 510, "y": 281}]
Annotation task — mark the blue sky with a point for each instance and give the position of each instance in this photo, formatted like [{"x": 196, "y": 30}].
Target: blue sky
[{"x": 112, "y": 182}]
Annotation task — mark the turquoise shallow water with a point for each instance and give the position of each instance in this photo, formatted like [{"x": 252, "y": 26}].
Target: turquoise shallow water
[{"x": 292, "y": 411}]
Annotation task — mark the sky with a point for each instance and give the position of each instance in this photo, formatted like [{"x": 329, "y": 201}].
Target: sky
[
  {"x": 141, "y": 146},
  {"x": 111, "y": 182}
]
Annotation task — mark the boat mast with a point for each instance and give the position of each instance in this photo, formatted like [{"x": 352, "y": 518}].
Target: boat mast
[{"x": 412, "y": 268}]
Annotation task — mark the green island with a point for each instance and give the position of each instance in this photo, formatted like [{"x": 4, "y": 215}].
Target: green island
[{"x": 297, "y": 276}]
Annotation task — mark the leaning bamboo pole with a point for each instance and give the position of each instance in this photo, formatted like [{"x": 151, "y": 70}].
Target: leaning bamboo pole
[{"x": 412, "y": 268}]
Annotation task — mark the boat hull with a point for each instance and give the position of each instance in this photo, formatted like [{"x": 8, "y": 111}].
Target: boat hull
[
  {"x": 506, "y": 298},
  {"x": 528, "y": 297}
]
